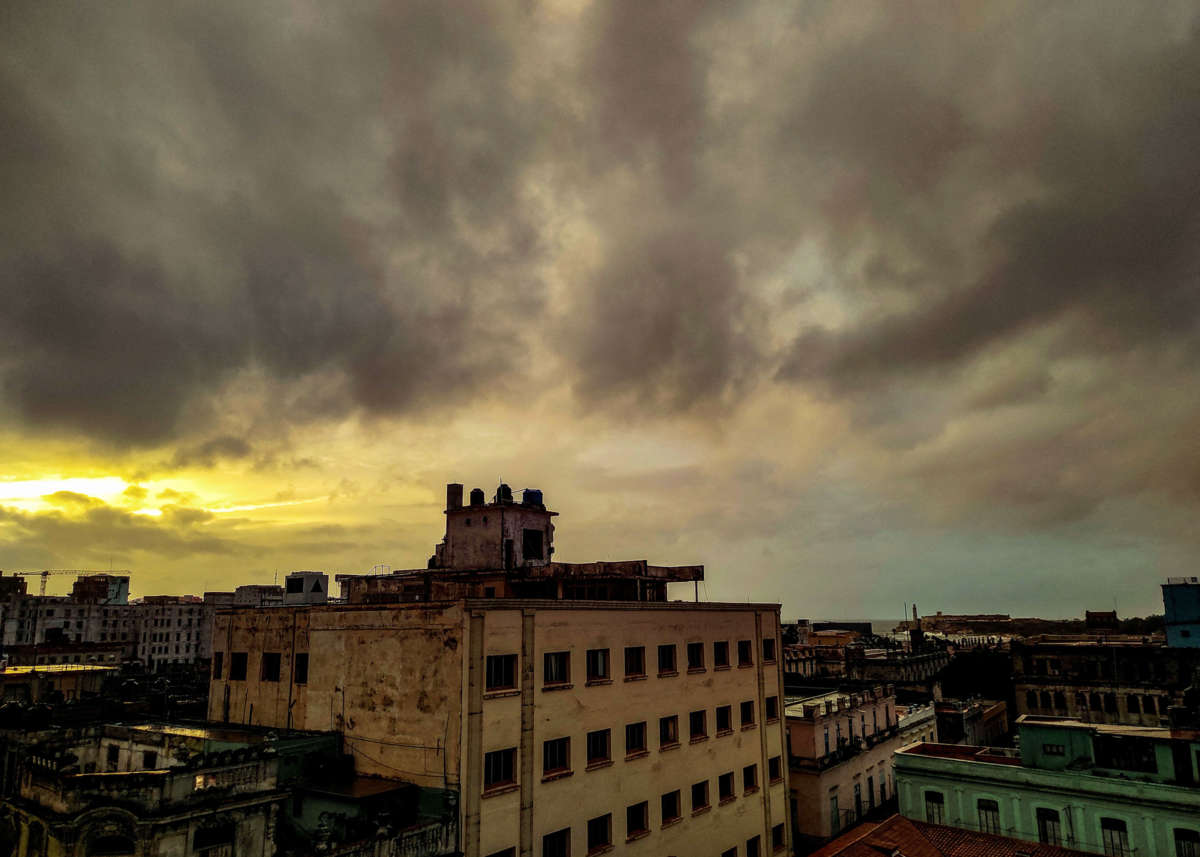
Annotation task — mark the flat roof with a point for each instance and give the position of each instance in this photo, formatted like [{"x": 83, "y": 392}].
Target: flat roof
[
  {"x": 1108, "y": 728},
  {"x": 54, "y": 668},
  {"x": 961, "y": 752},
  {"x": 513, "y": 604}
]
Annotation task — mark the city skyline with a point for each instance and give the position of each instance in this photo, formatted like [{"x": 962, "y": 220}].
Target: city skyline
[{"x": 854, "y": 305}]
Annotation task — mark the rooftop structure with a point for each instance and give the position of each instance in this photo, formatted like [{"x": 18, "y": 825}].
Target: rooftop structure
[
  {"x": 1181, "y": 603},
  {"x": 898, "y": 836}
]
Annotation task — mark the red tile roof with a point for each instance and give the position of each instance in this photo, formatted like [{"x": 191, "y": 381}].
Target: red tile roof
[{"x": 898, "y": 836}]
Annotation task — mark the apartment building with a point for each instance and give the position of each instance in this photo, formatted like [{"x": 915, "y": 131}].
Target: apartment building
[
  {"x": 1101, "y": 679},
  {"x": 840, "y": 746},
  {"x": 1104, "y": 789},
  {"x": 571, "y": 706}
]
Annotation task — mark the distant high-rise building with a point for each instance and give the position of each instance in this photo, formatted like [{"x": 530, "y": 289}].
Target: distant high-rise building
[{"x": 1181, "y": 603}]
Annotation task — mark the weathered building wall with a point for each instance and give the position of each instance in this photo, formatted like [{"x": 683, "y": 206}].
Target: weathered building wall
[{"x": 387, "y": 677}]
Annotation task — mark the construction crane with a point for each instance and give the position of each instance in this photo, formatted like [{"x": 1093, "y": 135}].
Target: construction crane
[{"x": 45, "y": 573}]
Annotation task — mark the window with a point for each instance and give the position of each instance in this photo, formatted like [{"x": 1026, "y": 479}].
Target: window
[
  {"x": 725, "y": 787},
  {"x": 1054, "y": 749},
  {"x": 114, "y": 754},
  {"x": 218, "y": 663},
  {"x": 531, "y": 544},
  {"x": 729, "y": 852},
  {"x": 752, "y": 847},
  {"x": 294, "y": 585},
  {"x": 501, "y": 672},
  {"x": 935, "y": 807},
  {"x": 748, "y": 713},
  {"x": 637, "y": 819},
  {"x": 1110, "y": 703},
  {"x": 670, "y": 807},
  {"x": 1115, "y": 837},
  {"x": 745, "y": 654},
  {"x": 777, "y": 838},
  {"x": 772, "y": 708},
  {"x": 557, "y": 844},
  {"x": 597, "y": 665},
  {"x": 989, "y": 816},
  {"x": 599, "y": 830},
  {"x": 1049, "y": 832},
  {"x": 724, "y": 718},
  {"x": 697, "y": 725},
  {"x": 556, "y": 756},
  {"x": 635, "y": 738},
  {"x": 635, "y": 661},
  {"x": 1045, "y": 699},
  {"x": 695, "y": 656},
  {"x": 775, "y": 769},
  {"x": 768, "y": 650},
  {"x": 1187, "y": 842},
  {"x": 598, "y": 743},
  {"x": 300, "y": 670},
  {"x": 835, "y": 816},
  {"x": 668, "y": 731},
  {"x": 499, "y": 768},
  {"x": 1031, "y": 699},
  {"x": 270, "y": 666},
  {"x": 700, "y": 796},
  {"x": 750, "y": 778},
  {"x": 237, "y": 666},
  {"x": 149, "y": 760},
  {"x": 720, "y": 654},
  {"x": 1081, "y": 700},
  {"x": 666, "y": 659},
  {"x": 1133, "y": 704},
  {"x": 556, "y": 668}
]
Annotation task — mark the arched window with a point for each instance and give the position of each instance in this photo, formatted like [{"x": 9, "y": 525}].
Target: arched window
[
  {"x": 1060, "y": 701},
  {"x": 1046, "y": 700},
  {"x": 1133, "y": 704}
]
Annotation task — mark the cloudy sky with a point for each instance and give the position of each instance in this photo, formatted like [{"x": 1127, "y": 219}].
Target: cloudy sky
[{"x": 857, "y": 304}]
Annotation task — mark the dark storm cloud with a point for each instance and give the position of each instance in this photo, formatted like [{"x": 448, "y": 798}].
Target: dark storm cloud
[
  {"x": 211, "y": 451},
  {"x": 185, "y": 198}
]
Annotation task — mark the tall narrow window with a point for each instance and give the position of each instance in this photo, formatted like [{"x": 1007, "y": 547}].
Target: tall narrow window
[
  {"x": 749, "y": 778},
  {"x": 768, "y": 650},
  {"x": 1049, "y": 831},
  {"x": 670, "y": 807},
  {"x": 721, "y": 654},
  {"x": 935, "y": 806},
  {"x": 237, "y": 666},
  {"x": 700, "y": 796},
  {"x": 748, "y": 713},
  {"x": 725, "y": 787},
  {"x": 217, "y": 662},
  {"x": 635, "y": 661},
  {"x": 745, "y": 654},
  {"x": 724, "y": 718},
  {"x": 597, "y": 665},
  {"x": 300, "y": 668},
  {"x": 635, "y": 738},
  {"x": 668, "y": 731},
  {"x": 556, "y": 756},
  {"x": 599, "y": 833},
  {"x": 989, "y": 816},
  {"x": 637, "y": 819},
  {"x": 1114, "y": 836},
  {"x": 666, "y": 659},
  {"x": 698, "y": 725},
  {"x": 695, "y": 656}
]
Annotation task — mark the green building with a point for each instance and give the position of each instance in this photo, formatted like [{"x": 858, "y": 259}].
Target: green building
[{"x": 1105, "y": 789}]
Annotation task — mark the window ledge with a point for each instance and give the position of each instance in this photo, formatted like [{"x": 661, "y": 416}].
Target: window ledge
[
  {"x": 504, "y": 789},
  {"x": 694, "y": 670},
  {"x": 770, "y": 661},
  {"x": 698, "y": 739},
  {"x": 595, "y": 766},
  {"x": 772, "y": 720},
  {"x": 665, "y": 747},
  {"x": 600, "y": 849},
  {"x": 637, "y": 834},
  {"x": 641, "y": 677},
  {"x": 748, "y": 726},
  {"x": 745, "y": 666},
  {"x": 671, "y": 821},
  {"x": 556, "y": 775},
  {"x": 593, "y": 682},
  {"x": 720, "y": 667},
  {"x": 639, "y": 754},
  {"x": 749, "y": 791},
  {"x": 668, "y": 674},
  {"x": 726, "y": 800},
  {"x": 721, "y": 733},
  {"x": 775, "y": 781},
  {"x": 501, "y": 694},
  {"x": 564, "y": 686},
  {"x": 701, "y": 810}
]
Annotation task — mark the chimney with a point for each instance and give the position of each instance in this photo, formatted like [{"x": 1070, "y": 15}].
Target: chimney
[{"x": 454, "y": 491}]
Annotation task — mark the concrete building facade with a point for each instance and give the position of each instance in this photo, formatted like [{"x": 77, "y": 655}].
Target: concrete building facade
[
  {"x": 1114, "y": 790},
  {"x": 840, "y": 747}
]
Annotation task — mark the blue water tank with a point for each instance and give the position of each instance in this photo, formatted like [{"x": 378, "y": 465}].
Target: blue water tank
[{"x": 532, "y": 497}]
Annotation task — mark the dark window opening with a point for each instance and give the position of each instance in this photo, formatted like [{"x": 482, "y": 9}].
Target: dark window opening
[
  {"x": 271, "y": 662},
  {"x": 700, "y": 795},
  {"x": 745, "y": 654},
  {"x": 635, "y": 738},
  {"x": 598, "y": 744},
  {"x": 597, "y": 665},
  {"x": 599, "y": 831},
  {"x": 300, "y": 670},
  {"x": 531, "y": 544},
  {"x": 635, "y": 661},
  {"x": 499, "y": 768},
  {"x": 668, "y": 731},
  {"x": 237, "y": 666},
  {"x": 724, "y": 718},
  {"x": 695, "y": 656},
  {"x": 295, "y": 585},
  {"x": 637, "y": 819},
  {"x": 501, "y": 672},
  {"x": 721, "y": 653},
  {"x": 666, "y": 658},
  {"x": 556, "y": 756},
  {"x": 556, "y": 668},
  {"x": 218, "y": 664}
]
